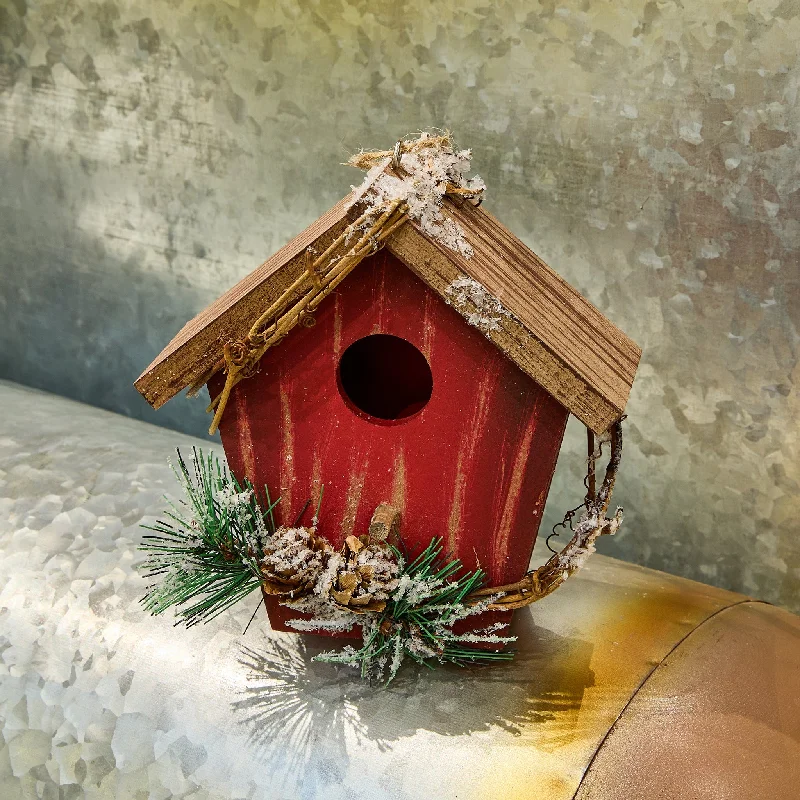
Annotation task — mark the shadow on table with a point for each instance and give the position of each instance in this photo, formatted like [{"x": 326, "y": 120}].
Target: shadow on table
[{"x": 301, "y": 714}]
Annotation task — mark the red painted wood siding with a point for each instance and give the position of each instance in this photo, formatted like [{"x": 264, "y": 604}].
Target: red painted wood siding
[{"x": 473, "y": 466}]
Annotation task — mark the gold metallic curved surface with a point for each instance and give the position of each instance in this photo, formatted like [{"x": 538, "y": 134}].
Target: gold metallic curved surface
[
  {"x": 719, "y": 718},
  {"x": 100, "y": 700}
]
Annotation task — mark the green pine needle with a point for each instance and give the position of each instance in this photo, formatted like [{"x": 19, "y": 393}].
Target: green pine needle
[
  {"x": 421, "y": 628},
  {"x": 206, "y": 553}
]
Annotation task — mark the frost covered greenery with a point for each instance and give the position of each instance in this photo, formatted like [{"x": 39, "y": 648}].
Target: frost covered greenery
[
  {"x": 220, "y": 543},
  {"x": 206, "y": 552},
  {"x": 418, "y": 621}
]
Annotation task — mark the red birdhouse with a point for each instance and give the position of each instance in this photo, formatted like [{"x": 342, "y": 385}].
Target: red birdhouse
[{"x": 437, "y": 382}]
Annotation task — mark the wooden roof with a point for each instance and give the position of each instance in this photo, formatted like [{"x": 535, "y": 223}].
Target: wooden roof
[{"x": 553, "y": 334}]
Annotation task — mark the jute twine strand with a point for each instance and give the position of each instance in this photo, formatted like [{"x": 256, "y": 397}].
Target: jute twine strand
[{"x": 298, "y": 302}]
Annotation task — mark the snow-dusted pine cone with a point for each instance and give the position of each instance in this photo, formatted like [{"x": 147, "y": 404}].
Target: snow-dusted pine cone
[
  {"x": 366, "y": 576},
  {"x": 294, "y": 559}
]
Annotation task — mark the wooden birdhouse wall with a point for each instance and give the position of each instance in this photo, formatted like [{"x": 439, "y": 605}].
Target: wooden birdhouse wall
[{"x": 472, "y": 464}]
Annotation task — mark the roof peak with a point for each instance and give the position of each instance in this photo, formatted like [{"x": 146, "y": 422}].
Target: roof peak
[{"x": 539, "y": 321}]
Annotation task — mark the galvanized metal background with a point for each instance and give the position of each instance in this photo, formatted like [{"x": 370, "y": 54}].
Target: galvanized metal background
[{"x": 153, "y": 153}]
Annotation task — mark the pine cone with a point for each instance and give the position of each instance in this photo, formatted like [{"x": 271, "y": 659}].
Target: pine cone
[
  {"x": 293, "y": 561},
  {"x": 367, "y": 577}
]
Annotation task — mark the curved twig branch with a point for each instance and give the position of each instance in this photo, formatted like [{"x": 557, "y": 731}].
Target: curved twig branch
[{"x": 546, "y": 579}]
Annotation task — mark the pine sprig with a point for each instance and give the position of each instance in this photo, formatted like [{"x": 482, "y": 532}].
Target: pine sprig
[
  {"x": 418, "y": 621},
  {"x": 206, "y": 552},
  {"x": 211, "y": 549}
]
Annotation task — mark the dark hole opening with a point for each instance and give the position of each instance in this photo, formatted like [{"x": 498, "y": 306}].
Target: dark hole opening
[{"x": 385, "y": 376}]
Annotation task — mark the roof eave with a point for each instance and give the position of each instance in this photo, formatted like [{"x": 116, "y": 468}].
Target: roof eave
[{"x": 552, "y": 333}]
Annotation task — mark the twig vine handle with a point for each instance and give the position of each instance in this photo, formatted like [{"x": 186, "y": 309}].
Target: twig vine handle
[{"x": 544, "y": 580}]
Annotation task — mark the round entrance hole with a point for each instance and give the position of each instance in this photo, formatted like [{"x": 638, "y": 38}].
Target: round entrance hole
[{"x": 385, "y": 377}]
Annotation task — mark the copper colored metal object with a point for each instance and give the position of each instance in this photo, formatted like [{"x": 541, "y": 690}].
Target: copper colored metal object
[{"x": 718, "y": 718}]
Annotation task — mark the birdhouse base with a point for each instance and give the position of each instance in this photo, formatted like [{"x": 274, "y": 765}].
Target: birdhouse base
[{"x": 280, "y": 615}]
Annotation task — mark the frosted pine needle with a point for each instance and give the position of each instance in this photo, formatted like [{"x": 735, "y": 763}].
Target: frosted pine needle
[
  {"x": 220, "y": 543},
  {"x": 206, "y": 552},
  {"x": 418, "y": 621}
]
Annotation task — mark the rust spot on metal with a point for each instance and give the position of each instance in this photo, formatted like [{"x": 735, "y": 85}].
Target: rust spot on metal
[{"x": 722, "y": 705}]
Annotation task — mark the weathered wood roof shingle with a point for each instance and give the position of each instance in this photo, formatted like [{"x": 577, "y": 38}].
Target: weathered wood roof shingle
[{"x": 552, "y": 333}]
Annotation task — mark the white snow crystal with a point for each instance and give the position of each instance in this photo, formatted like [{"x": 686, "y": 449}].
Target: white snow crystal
[
  {"x": 426, "y": 174},
  {"x": 480, "y": 308},
  {"x": 581, "y": 546},
  {"x": 397, "y": 656},
  {"x": 287, "y": 552},
  {"x": 328, "y": 576}
]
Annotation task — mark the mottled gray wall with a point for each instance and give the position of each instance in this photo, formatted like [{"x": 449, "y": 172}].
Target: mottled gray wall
[{"x": 153, "y": 153}]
